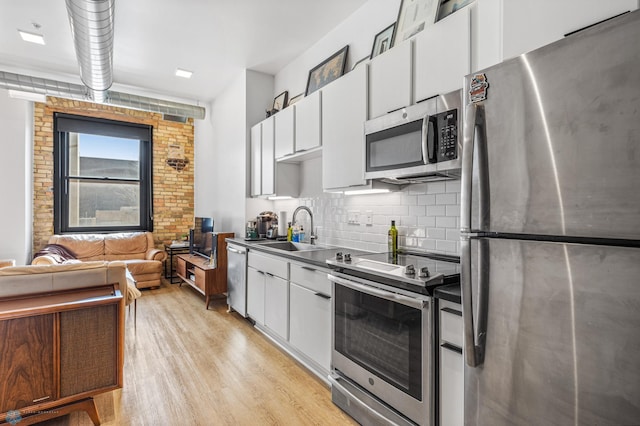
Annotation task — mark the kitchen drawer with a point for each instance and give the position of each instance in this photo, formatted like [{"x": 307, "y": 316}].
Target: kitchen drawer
[
  {"x": 451, "y": 326},
  {"x": 314, "y": 279},
  {"x": 269, "y": 264}
]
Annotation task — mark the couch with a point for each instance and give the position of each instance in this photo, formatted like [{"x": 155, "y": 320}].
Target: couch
[
  {"x": 62, "y": 331},
  {"x": 135, "y": 249}
]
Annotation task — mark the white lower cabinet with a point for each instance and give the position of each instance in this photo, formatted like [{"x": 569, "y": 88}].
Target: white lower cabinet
[
  {"x": 276, "y": 304},
  {"x": 255, "y": 295},
  {"x": 268, "y": 292},
  {"x": 311, "y": 324},
  {"x": 291, "y": 302},
  {"x": 451, "y": 365}
]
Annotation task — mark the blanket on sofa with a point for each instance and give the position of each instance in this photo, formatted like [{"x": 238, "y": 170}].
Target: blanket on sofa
[{"x": 60, "y": 253}]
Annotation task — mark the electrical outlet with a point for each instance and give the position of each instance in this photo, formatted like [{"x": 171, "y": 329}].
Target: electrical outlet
[
  {"x": 368, "y": 217},
  {"x": 353, "y": 217}
]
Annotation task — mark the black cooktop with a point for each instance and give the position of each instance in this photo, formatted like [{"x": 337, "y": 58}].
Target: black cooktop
[{"x": 418, "y": 272}]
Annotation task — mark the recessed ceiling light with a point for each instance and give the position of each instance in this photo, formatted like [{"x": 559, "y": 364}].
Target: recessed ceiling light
[
  {"x": 31, "y": 37},
  {"x": 183, "y": 73}
]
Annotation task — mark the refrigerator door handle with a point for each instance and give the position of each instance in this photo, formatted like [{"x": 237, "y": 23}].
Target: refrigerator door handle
[
  {"x": 474, "y": 342},
  {"x": 474, "y": 144}
]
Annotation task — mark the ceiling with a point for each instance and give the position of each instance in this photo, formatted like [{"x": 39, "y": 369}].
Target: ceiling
[{"x": 215, "y": 39}]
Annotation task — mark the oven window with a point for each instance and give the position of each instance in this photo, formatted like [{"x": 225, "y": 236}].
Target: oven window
[{"x": 381, "y": 336}]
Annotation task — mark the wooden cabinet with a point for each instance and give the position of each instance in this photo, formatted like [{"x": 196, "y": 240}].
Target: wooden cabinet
[
  {"x": 310, "y": 314},
  {"x": 308, "y": 119},
  {"x": 506, "y": 29},
  {"x": 344, "y": 111},
  {"x": 268, "y": 292},
  {"x": 206, "y": 278},
  {"x": 451, "y": 364},
  {"x": 285, "y": 132},
  {"x": 390, "y": 80},
  {"x": 26, "y": 365},
  {"x": 443, "y": 55},
  {"x": 46, "y": 341}
]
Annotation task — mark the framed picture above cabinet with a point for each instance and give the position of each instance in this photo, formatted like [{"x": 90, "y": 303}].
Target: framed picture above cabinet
[
  {"x": 327, "y": 71},
  {"x": 413, "y": 17}
]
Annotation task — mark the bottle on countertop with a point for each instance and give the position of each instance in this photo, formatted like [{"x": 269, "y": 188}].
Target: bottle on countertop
[
  {"x": 289, "y": 232},
  {"x": 301, "y": 235},
  {"x": 392, "y": 239},
  {"x": 296, "y": 234}
]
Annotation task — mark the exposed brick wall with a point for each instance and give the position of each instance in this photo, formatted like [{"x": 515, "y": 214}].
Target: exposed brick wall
[{"x": 172, "y": 189}]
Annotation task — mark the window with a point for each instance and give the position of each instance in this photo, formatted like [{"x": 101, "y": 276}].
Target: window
[{"x": 102, "y": 175}]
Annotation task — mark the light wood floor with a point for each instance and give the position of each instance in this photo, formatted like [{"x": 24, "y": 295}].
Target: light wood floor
[{"x": 188, "y": 366}]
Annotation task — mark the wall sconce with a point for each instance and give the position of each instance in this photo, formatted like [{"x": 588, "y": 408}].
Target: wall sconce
[{"x": 176, "y": 158}]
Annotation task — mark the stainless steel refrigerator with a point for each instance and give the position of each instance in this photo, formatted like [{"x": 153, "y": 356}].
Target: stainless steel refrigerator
[{"x": 550, "y": 223}]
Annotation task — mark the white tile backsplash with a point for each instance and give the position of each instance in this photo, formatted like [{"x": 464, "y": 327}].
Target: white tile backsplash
[{"x": 427, "y": 217}]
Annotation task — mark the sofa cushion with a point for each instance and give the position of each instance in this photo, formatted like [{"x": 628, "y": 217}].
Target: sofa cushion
[
  {"x": 139, "y": 267},
  {"x": 122, "y": 246},
  {"x": 20, "y": 280},
  {"x": 85, "y": 246}
]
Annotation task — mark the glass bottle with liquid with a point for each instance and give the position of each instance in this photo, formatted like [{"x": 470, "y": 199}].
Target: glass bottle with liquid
[{"x": 392, "y": 239}]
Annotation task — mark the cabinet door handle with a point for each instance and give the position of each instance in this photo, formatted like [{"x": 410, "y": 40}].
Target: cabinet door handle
[
  {"x": 451, "y": 348},
  {"x": 308, "y": 269},
  {"x": 266, "y": 273},
  {"x": 324, "y": 296},
  {"x": 452, "y": 311},
  {"x": 44, "y": 398}
]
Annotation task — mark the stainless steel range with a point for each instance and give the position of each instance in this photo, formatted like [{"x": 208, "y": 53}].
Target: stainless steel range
[{"x": 383, "y": 335}]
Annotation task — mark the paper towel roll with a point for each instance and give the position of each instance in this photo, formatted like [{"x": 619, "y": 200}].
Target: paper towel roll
[{"x": 282, "y": 223}]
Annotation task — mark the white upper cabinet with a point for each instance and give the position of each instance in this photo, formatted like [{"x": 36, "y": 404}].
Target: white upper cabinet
[
  {"x": 443, "y": 55},
  {"x": 390, "y": 80},
  {"x": 507, "y": 28},
  {"x": 285, "y": 128},
  {"x": 344, "y": 111},
  {"x": 308, "y": 122},
  {"x": 268, "y": 159},
  {"x": 267, "y": 177},
  {"x": 256, "y": 160}
]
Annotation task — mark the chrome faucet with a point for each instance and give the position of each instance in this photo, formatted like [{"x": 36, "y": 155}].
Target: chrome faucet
[{"x": 312, "y": 237}]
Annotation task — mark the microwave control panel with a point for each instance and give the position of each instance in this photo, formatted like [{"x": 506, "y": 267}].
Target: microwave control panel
[{"x": 447, "y": 135}]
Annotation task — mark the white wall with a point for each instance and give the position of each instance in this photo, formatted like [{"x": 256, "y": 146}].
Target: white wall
[
  {"x": 205, "y": 193},
  {"x": 16, "y": 122},
  {"x": 358, "y": 31}
]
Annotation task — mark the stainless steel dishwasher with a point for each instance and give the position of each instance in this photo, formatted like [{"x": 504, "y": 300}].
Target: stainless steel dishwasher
[{"x": 237, "y": 278}]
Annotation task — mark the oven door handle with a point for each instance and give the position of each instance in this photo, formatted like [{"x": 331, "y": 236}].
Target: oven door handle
[{"x": 373, "y": 291}]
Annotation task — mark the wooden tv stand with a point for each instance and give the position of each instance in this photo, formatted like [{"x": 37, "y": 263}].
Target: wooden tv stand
[{"x": 206, "y": 279}]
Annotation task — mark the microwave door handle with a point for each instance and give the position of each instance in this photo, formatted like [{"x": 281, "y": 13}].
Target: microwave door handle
[
  {"x": 432, "y": 140},
  {"x": 429, "y": 142},
  {"x": 425, "y": 138}
]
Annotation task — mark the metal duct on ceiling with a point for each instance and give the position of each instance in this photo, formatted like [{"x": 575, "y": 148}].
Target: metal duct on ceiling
[
  {"x": 42, "y": 86},
  {"x": 92, "y": 31}
]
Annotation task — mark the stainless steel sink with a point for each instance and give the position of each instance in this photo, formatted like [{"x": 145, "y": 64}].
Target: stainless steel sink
[{"x": 291, "y": 246}]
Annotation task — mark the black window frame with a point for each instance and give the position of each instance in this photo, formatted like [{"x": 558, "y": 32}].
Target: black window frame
[{"x": 63, "y": 124}]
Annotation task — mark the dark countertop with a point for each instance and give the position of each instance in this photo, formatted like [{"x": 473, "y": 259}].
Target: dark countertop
[
  {"x": 450, "y": 292},
  {"x": 317, "y": 258}
]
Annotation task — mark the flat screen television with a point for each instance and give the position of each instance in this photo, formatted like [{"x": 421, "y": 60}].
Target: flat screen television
[{"x": 201, "y": 237}]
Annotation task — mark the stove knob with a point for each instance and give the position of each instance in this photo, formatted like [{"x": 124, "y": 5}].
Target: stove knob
[
  {"x": 424, "y": 272},
  {"x": 339, "y": 255},
  {"x": 347, "y": 257},
  {"x": 409, "y": 270}
]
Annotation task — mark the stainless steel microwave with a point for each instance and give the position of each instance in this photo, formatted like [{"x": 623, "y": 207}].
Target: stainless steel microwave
[{"x": 419, "y": 143}]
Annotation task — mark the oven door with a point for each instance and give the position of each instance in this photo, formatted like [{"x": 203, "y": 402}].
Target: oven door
[{"x": 382, "y": 341}]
